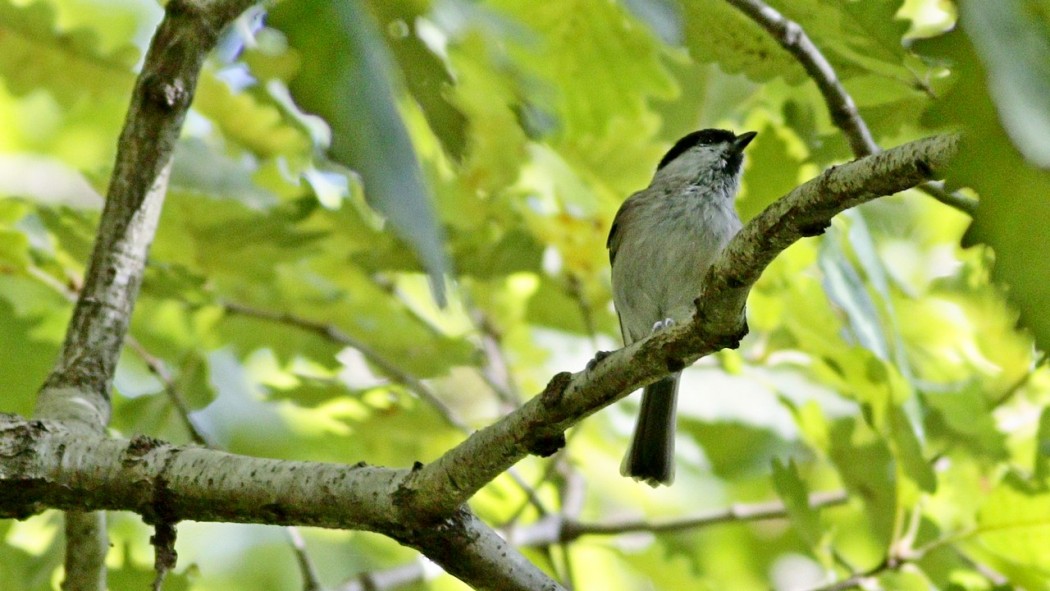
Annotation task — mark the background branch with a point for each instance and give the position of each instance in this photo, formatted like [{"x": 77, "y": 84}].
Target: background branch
[
  {"x": 793, "y": 38},
  {"x": 841, "y": 106},
  {"x": 334, "y": 334}
]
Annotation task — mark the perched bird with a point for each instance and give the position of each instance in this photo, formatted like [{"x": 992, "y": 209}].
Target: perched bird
[{"x": 662, "y": 242}]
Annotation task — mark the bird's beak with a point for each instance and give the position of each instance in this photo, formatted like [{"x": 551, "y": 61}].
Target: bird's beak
[{"x": 743, "y": 140}]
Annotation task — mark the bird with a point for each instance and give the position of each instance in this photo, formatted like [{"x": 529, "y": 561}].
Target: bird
[{"x": 663, "y": 240}]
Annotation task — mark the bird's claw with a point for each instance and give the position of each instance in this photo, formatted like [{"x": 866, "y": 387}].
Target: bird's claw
[
  {"x": 593, "y": 363},
  {"x": 663, "y": 324}
]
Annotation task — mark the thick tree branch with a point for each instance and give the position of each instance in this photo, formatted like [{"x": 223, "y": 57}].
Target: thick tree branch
[
  {"x": 453, "y": 478},
  {"x": 78, "y": 386},
  {"x": 45, "y": 465}
]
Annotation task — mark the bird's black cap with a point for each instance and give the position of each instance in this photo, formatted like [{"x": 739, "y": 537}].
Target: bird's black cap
[{"x": 704, "y": 137}]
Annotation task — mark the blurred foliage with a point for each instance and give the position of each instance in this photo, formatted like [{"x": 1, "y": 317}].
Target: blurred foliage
[{"x": 885, "y": 358}]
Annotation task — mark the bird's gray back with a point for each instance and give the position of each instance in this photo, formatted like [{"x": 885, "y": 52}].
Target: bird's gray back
[{"x": 662, "y": 255}]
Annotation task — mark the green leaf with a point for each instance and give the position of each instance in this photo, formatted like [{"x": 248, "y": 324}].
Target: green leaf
[
  {"x": 795, "y": 494},
  {"x": 1014, "y": 523},
  {"x": 150, "y": 413},
  {"x": 69, "y": 64},
  {"x": 487, "y": 258},
  {"x": 735, "y": 450},
  {"x": 1013, "y": 39},
  {"x": 251, "y": 120},
  {"x": 847, "y": 289},
  {"x": 426, "y": 76},
  {"x": 907, "y": 449},
  {"x": 1042, "y": 447},
  {"x": 347, "y": 79},
  {"x": 905, "y": 580},
  {"x": 194, "y": 383},
  {"x": 866, "y": 466},
  {"x": 556, "y": 304},
  {"x": 604, "y": 71},
  {"x": 962, "y": 418},
  {"x": 770, "y": 174},
  {"x": 717, "y": 32},
  {"x": 1015, "y": 200},
  {"x": 29, "y": 354}
]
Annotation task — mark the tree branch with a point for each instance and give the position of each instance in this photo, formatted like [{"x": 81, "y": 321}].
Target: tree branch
[
  {"x": 78, "y": 386},
  {"x": 793, "y": 38},
  {"x": 45, "y": 465},
  {"x": 449, "y": 481},
  {"x": 841, "y": 107},
  {"x": 86, "y": 545},
  {"x": 557, "y": 529}
]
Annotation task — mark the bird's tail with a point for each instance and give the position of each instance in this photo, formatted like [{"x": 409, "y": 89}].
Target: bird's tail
[{"x": 650, "y": 458}]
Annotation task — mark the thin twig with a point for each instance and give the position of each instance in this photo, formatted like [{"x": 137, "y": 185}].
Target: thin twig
[
  {"x": 165, "y": 557},
  {"x": 311, "y": 582},
  {"x": 386, "y": 579},
  {"x": 158, "y": 368},
  {"x": 733, "y": 513},
  {"x": 336, "y": 335},
  {"x": 532, "y": 498},
  {"x": 586, "y": 312},
  {"x": 967, "y": 205},
  {"x": 496, "y": 371},
  {"x": 841, "y": 106},
  {"x": 793, "y": 38}
]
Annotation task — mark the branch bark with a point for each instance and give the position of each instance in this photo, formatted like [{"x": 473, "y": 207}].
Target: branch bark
[
  {"x": 77, "y": 389},
  {"x": 43, "y": 465}
]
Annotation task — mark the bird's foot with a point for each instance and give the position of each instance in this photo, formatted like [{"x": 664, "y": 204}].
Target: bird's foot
[
  {"x": 663, "y": 324},
  {"x": 593, "y": 363}
]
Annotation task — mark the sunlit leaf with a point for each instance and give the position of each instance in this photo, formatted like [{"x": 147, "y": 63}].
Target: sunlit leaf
[
  {"x": 349, "y": 81},
  {"x": 1014, "y": 196},
  {"x": 795, "y": 494},
  {"x": 1014, "y": 523},
  {"x": 1013, "y": 40},
  {"x": 34, "y": 54}
]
